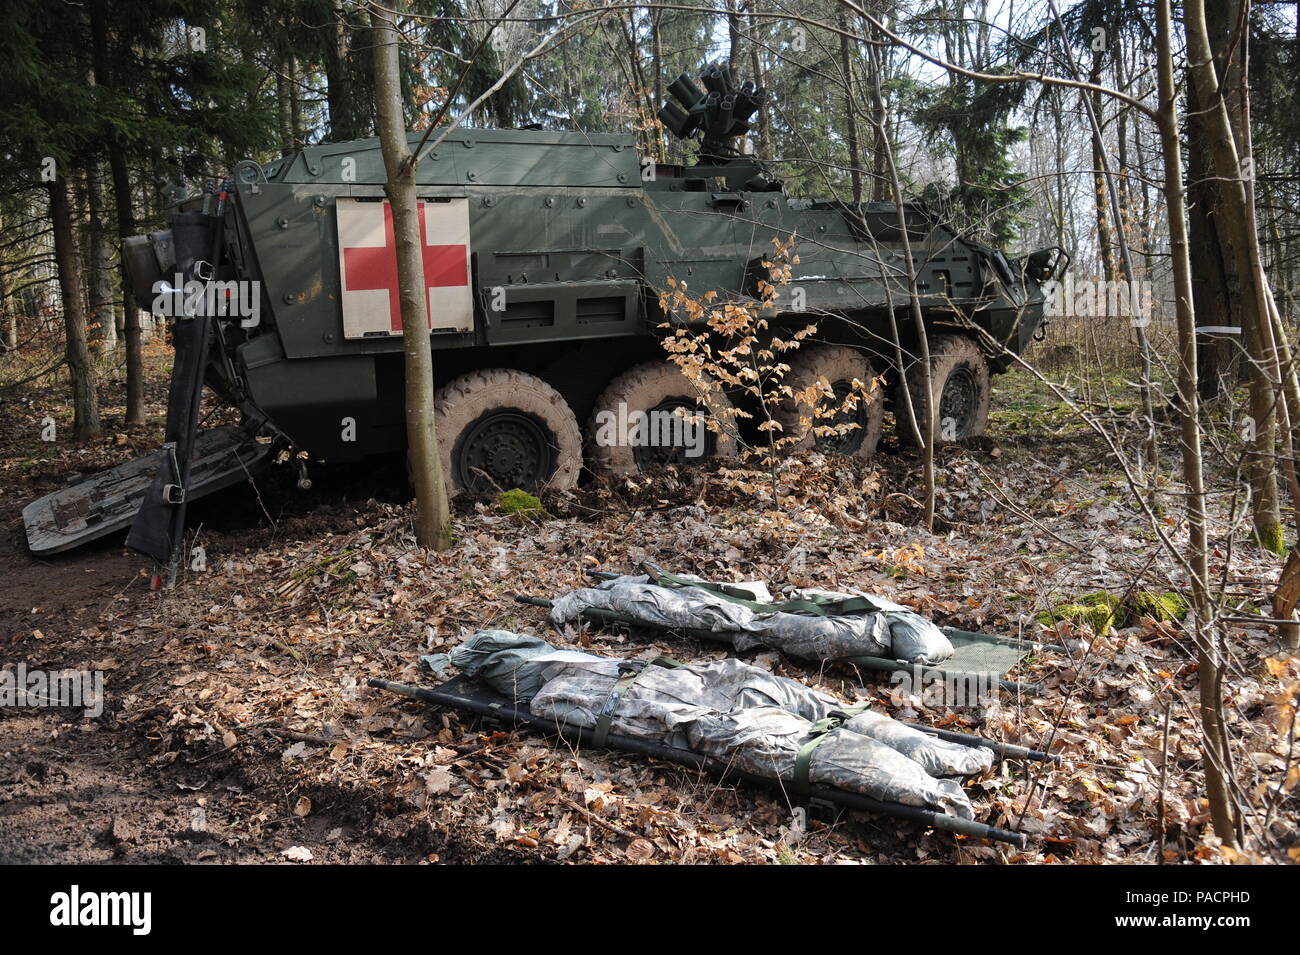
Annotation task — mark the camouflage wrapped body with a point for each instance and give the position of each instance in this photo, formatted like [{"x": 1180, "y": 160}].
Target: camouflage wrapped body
[
  {"x": 887, "y": 630},
  {"x": 759, "y": 722}
]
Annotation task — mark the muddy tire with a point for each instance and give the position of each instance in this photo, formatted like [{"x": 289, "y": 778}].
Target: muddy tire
[
  {"x": 654, "y": 386},
  {"x": 511, "y": 426},
  {"x": 837, "y": 366},
  {"x": 962, "y": 387}
]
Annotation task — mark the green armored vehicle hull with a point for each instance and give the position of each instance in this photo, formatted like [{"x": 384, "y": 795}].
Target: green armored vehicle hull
[
  {"x": 545, "y": 254},
  {"x": 568, "y": 248}
]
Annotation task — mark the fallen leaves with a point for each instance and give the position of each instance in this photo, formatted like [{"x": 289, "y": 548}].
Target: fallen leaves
[{"x": 282, "y": 632}]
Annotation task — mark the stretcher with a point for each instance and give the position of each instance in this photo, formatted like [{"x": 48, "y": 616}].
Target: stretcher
[
  {"x": 469, "y": 696},
  {"x": 978, "y": 658}
]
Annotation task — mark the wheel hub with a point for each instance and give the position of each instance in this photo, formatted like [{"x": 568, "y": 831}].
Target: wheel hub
[
  {"x": 512, "y": 448},
  {"x": 958, "y": 403},
  {"x": 654, "y": 448}
]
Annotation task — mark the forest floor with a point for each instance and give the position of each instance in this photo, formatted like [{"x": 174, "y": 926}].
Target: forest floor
[{"x": 238, "y": 727}]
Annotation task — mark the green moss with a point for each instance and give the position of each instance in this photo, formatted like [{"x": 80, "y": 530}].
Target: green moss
[
  {"x": 1271, "y": 538},
  {"x": 1099, "y": 611},
  {"x": 520, "y": 502},
  {"x": 1166, "y": 606}
]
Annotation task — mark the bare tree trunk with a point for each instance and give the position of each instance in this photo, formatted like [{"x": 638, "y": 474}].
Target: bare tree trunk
[
  {"x": 764, "y": 144},
  {"x": 1289, "y": 406},
  {"x": 295, "y": 104},
  {"x": 850, "y": 113},
  {"x": 1232, "y": 224},
  {"x": 8, "y": 309},
  {"x": 879, "y": 121},
  {"x": 125, "y": 226},
  {"x": 8, "y": 320},
  {"x": 98, "y": 251},
  {"x": 1213, "y": 742},
  {"x": 85, "y": 394},
  {"x": 1106, "y": 246},
  {"x": 284, "y": 105},
  {"x": 99, "y": 257},
  {"x": 922, "y": 430},
  {"x": 132, "y": 331},
  {"x": 657, "y": 64},
  {"x": 432, "y": 516},
  {"x": 641, "y": 88},
  {"x": 1213, "y": 273},
  {"x": 733, "y": 36}
]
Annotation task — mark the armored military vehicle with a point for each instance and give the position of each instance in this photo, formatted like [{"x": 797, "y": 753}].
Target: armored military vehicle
[{"x": 544, "y": 255}]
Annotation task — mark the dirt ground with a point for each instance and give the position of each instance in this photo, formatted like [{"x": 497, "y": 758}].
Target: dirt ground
[
  {"x": 119, "y": 788},
  {"x": 89, "y": 791}
]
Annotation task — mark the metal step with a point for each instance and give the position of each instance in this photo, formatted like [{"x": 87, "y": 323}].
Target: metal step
[{"x": 108, "y": 501}]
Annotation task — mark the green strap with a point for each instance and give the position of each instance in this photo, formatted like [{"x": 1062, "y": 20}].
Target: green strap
[
  {"x": 809, "y": 606},
  {"x": 600, "y": 733},
  {"x": 803, "y": 762},
  {"x": 817, "y": 735}
]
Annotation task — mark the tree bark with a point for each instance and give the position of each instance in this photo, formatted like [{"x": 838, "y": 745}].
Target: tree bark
[
  {"x": 8, "y": 309},
  {"x": 284, "y": 105},
  {"x": 295, "y": 104},
  {"x": 850, "y": 112},
  {"x": 85, "y": 394},
  {"x": 432, "y": 516},
  {"x": 763, "y": 145},
  {"x": 733, "y": 37},
  {"x": 99, "y": 257},
  {"x": 125, "y": 226},
  {"x": 1232, "y": 223},
  {"x": 348, "y": 118},
  {"x": 1213, "y": 743},
  {"x": 924, "y": 431},
  {"x": 1106, "y": 245}
]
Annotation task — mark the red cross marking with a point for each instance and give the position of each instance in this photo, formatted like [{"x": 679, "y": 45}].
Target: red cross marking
[{"x": 370, "y": 267}]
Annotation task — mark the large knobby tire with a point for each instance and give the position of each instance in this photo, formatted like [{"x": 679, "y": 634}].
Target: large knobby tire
[
  {"x": 510, "y": 425},
  {"x": 836, "y": 367},
  {"x": 959, "y": 374},
  {"x": 655, "y": 387}
]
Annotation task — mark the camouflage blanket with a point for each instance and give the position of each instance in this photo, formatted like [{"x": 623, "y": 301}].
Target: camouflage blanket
[
  {"x": 728, "y": 709},
  {"x": 882, "y": 629}
]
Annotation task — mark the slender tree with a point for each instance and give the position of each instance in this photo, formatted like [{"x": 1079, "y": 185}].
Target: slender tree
[
  {"x": 432, "y": 514},
  {"x": 85, "y": 390},
  {"x": 1209, "y": 663}
]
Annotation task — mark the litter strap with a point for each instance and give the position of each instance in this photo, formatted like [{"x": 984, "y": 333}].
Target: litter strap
[
  {"x": 605, "y": 719},
  {"x": 816, "y": 736}
]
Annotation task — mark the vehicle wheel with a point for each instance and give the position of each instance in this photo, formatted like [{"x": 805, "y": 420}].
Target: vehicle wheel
[
  {"x": 654, "y": 389},
  {"x": 501, "y": 428},
  {"x": 959, "y": 374},
  {"x": 837, "y": 366}
]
